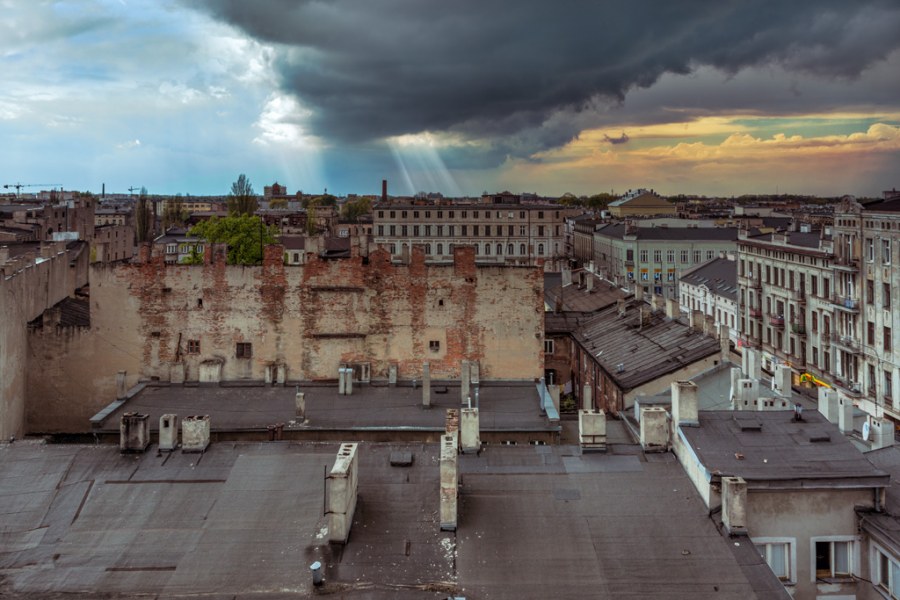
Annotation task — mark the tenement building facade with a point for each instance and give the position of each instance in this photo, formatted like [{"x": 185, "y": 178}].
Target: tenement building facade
[
  {"x": 654, "y": 257},
  {"x": 824, "y": 304},
  {"x": 866, "y": 244},
  {"x": 509, "y": 232},
  {"x": 788, "y": 304}
]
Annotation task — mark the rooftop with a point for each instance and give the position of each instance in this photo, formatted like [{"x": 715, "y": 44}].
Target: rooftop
[
  {"x": 617, "y": 230},
  {"x": 371, "y": 407},
  {"x": 714, "y": 391},
  {"x": 634, "y": 353},
  {"x": 246, "y": 520},
  {"x": 771, "y": 449},
  {"x": 718, "y": 275},
  {"x": 577, "y": 298},
  {"x": 799, "y": 239}
]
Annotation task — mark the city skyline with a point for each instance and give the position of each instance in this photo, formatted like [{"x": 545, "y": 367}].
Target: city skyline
[{"x": 715, "y": 99}]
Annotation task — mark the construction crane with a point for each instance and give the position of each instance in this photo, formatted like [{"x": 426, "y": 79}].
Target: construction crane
[
  {"x": 19, "y": 186},
  {"x": 133, "y": 189}
]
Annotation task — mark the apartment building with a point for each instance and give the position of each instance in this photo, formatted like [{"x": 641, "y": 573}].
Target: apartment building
[
  {"x": 790, "y": 307},
  {"x": 653, "y": 257},
  {"x": 712, "y": 289},
  {"x": 866, "y": 243},
  {"x": 507, "y": 232}
]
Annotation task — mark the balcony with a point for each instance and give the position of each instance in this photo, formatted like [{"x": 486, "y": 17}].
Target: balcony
[
  {"x": 845, "y": 303},
  {"x": 846, "y": 343},
  {"x": 749, "y": 342},
  {"x": 799, "y": 296},
  {"x": 845, "y": 263},
  {"x": 798, "y": 328},
  {"x": 755, "y": 312},
  {"x": 776, "y": 321},
  {"x": 750, "y": 281},
  {"x": 850, "y": 388}
]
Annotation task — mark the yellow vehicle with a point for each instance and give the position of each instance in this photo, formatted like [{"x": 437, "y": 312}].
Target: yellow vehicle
[{"x": 809, "y": 377}]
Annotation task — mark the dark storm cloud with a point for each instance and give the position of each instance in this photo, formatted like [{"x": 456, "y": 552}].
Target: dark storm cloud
[{"x": 532, "y": 74}]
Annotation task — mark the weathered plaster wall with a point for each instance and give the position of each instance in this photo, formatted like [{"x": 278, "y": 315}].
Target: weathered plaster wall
[
  {"x": 27, "y": 288},
  {"x": 309, "y": 318}
]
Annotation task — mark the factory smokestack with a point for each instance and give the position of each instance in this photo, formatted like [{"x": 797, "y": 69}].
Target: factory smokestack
[{"x": 384, "y": 190}]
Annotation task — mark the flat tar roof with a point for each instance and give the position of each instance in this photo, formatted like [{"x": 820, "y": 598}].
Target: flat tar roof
[
  {"x": 245, "y": 520},
  {"x": 510, "y": 406},
  {"x": 771, "y": 446}
]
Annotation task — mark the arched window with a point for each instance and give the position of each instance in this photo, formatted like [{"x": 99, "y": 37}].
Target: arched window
[
  {"x": 499, "y": 249},
  {"x": 440, "y": 249},
  {"x": 522, "y": 249},
  {"x": 540, "y": 249},
  {"x": 487, "y": 249},
  {"x": 510, "y": 249},
  {"x": 427, "y": 248}
]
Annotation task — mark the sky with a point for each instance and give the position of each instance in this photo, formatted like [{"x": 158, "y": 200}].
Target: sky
[{"x": 710, "y": 97}]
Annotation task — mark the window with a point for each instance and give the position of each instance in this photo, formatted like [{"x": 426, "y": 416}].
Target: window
[
  {"x": 440, "y": 249},
  {"x": 779, "y": 556},
  {"x": 428, "y": 249},
  {"x": 870, "y": 250},
  {"x": 392, "y": 230},
  {"x": 548, "y": 346},
  {"x": 428, "y": 230},
  {"x": 465, "y": 230},
  {"x": 243, "y": 350},
  {"x": 711, "y": 253},
  {"x": 540, "y": 230},
  {"x": 381, "y": 230},
  {"x": 886, "y": 252},
  {"x": 499, "y": 249},
  {"x": 697, "y": 256},
  {"x": 487, "y": 249},
  {"x": 522, "y": 249},
  {"x": 670, "y": 256},
  {"x": 870, "y": 291},
  {"x": 888, "y": 389},
  {"x": 393, "y": 214},
  {"x": 870, "y": 334},
  {"x": 434, "y": 345},
  {"x": 886, "y": 296},
  {"x": 193, "y": 347},
  {"x": 521, "y": 230},
  {"x": 684, "y": 256},
  {"x": 393, "y": 248},
  {"x": 171, "y": 248},
  {"x": 644, "y": 255},
  {"x": 657, "y": 256},
  {"x": 510, "y": 229},
  {"x": 540, "y": 250},
  {"x": 833, "y": 558},
  {"x": 510, "y": 249},
  {"x": 404, "y": 230},
  {"x": 887, "y": 576},
  {"x": 887, "y": 339}
]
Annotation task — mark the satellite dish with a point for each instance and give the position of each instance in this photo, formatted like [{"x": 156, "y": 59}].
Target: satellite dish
[{"x": 865, "y": 430}]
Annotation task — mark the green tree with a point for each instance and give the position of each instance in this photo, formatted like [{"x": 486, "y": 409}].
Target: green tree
[
  {"x": 278, "y": 203},
  {"x": 354, "y": 209},
  {"x": 600, "y": 201},
  {"x": 312, "y": 226},
  {"x": 143, "y": 218},
  {"x": 194, "y": 258},
  {"x": 241, "y": 199},
  {"x": 174, "y": 214},
  {"x": 244, "y": 235}
]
